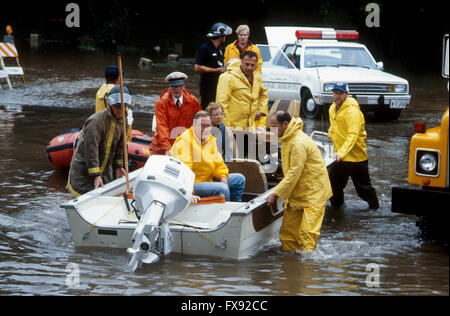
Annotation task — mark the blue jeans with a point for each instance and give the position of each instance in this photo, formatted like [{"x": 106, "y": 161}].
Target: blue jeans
[{"x": 232, "y": 191}]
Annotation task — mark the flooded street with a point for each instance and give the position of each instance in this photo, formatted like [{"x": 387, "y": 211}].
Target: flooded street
[{"x": 36, "y": 246}]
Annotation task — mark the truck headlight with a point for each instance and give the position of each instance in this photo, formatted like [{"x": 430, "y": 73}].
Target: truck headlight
[
  {"x": 401, "y": 88},
  {"x": 427, "y": 163},
  {"x": 328, "y": 87}
]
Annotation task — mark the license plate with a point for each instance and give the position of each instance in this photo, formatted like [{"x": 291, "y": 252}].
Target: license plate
[{"x": 398, "y": 104}]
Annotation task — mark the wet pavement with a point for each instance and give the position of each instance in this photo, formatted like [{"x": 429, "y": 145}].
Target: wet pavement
[{"x": 36, "y": 247}]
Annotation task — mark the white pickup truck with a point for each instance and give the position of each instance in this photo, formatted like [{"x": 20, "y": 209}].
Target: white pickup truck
[{"x": 313, "y": 59}]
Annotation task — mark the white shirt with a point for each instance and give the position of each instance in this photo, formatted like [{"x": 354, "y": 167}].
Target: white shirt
[{"x": 175, "y": 100}]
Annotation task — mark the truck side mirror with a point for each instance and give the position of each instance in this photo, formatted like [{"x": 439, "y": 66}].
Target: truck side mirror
[{"x": 380, "y": 65}]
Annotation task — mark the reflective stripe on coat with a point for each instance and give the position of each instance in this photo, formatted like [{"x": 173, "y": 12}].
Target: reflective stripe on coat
[{"x": 99, "y": 152}]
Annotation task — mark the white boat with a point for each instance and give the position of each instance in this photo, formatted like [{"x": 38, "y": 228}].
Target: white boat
[
  {"x": 235, "y": 230},
  {"x": 325, "y": 145}
]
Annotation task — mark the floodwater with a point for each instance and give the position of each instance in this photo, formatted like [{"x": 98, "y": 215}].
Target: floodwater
[{"x": 36, "y": 248}]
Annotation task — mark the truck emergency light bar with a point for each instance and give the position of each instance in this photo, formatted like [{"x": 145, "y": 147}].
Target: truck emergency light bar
[{"x": 339, "y": 35}]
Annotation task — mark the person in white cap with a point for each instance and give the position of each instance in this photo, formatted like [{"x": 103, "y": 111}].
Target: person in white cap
[
  {"x": 174, "y": 113},
  {"x": 210, "y": 62}
]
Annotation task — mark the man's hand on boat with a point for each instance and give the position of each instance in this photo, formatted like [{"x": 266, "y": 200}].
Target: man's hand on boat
[
  {"x": 271, "y": 199},
  {"x": 120, "y": 172},
  {"x": 98, "y": 182},
  {"x": 195, "y": 199}
]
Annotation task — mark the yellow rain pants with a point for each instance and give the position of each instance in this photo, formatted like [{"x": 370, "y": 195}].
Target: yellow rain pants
[{"x": 301, "y": 227}]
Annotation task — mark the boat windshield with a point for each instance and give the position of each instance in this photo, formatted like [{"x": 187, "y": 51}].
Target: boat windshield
[{"x": 338, "y": 57}]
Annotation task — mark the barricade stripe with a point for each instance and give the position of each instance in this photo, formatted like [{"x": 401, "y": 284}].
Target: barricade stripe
[
  {"x": 3, "y": 53},
  {"x": 12, "y": 48},
  {"x": 8, "y": 50}
]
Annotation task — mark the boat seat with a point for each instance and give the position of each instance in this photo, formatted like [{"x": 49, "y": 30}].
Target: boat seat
[
  {"x": 290, "y": 106},
  {"x": 255, "y": 178}
]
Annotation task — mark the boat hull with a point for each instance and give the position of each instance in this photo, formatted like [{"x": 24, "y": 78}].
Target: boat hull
[{"x": 227, "y": 230}]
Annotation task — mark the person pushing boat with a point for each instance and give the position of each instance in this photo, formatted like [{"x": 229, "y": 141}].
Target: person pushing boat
[
  {"x": 98, "y": 158},
  {"x": 305, "y": 187}
]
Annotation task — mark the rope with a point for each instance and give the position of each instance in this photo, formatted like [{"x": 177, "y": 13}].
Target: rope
[{"x": 199, "y": 232}]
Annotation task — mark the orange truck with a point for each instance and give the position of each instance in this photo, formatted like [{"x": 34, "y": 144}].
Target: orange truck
[{"x": 428, "y": 195}]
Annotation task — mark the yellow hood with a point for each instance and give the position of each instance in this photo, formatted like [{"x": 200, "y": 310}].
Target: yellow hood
[
  {"x": 234, "y": 69},
  {"x": 295, "y": 125},
  {"x": 350, "y": 102}
]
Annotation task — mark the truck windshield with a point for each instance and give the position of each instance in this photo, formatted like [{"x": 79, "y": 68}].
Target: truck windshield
[{"x": 338, "y": 57}]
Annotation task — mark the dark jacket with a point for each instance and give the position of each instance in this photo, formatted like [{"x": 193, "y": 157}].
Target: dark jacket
[{"x": 99, "y": 152}]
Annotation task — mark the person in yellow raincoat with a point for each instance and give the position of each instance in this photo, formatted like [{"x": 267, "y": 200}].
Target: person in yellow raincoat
[
  {"x": 349, "y": 136},
  {"x": 112, "y": 79},
  {"x": 197, "y": 148},
  {"x": 242, "y": 95},
  {"x": 305, "y": 187},
  {"x": 242, "y": 44}
]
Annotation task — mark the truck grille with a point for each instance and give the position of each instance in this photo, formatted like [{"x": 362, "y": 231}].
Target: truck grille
[{"x": 370, "y": 88}]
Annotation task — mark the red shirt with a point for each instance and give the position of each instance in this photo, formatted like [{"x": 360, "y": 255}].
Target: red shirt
[{"x": 250, "y": 81}]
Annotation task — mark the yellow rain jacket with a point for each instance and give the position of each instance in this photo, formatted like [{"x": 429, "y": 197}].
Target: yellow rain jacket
[
  {"x": 240, "y": 100},
  {"x": 100, "y": 103},
  {"x": 305, "y": 188},
  {"x": 347, "y": 131},
  {"x": 232, "y": 51},
  {"x": 203, "y": 159}
]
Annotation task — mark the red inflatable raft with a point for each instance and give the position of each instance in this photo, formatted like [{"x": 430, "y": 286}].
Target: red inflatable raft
[{"x": 60, "y": 149}]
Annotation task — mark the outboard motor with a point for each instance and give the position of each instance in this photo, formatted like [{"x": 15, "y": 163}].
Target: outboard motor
[{"x": 162, "y": 190}]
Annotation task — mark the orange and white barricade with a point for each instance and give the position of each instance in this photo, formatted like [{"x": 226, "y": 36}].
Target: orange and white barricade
[
  {"x": 9, "y": 50},
  {"x": 4, "y": 75}
]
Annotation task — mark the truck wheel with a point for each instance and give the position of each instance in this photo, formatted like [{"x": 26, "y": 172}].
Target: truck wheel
[
  {"x": 309, "y": 108},
  {"x": 388, "y": 115}
]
